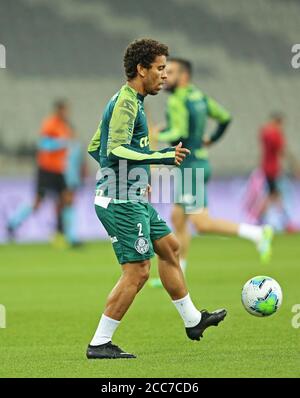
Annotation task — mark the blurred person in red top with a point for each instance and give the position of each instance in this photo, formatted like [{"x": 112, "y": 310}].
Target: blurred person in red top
[
  {"x": 52, "y": 154},
  {"x": 273, "y": 150}
]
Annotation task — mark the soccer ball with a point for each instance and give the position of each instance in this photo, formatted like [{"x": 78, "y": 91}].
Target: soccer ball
[{"x": 261, "y": 296}]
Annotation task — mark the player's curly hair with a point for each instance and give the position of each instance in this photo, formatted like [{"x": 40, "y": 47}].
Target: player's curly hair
[{"x": 144, "y": 52}]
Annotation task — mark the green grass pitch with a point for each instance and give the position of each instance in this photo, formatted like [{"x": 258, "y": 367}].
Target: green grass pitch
[{"x": 53, "y": 301}]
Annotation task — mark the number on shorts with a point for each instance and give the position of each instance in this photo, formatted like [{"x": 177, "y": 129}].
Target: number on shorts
[{"x": 140, "y": 227}]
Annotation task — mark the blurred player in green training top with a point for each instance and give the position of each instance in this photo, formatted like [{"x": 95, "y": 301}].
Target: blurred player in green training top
[{"x": 188, "y": 109}]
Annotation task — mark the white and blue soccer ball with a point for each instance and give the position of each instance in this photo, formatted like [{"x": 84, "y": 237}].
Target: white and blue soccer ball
[{"x": 261, "y": 296}]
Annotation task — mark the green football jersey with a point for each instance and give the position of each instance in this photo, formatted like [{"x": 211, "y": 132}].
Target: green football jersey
[
  {"x": 187, "y": 112},
  {"x": 121, "y": 146}
]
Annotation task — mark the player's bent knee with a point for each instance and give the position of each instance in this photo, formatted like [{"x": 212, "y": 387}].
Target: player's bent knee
[
  {"x": 167, "y": 248},
  {"x": 138, "y": 272},
  {"x": 144, "y": 275},
  {"x": 175, "y": 245}
]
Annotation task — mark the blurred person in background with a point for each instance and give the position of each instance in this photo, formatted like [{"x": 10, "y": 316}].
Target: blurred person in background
[
  {"x": 53, "y": 155},
  {"x": 273, "y": 150},
  {"x": 187, "y": 112},
  {"x": 269, "y": 193}
]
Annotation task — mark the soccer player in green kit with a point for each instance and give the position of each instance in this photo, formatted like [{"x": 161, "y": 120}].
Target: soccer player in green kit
[
  {"x": 187, "y": 112},
  {"x": 120, "y": 145}
]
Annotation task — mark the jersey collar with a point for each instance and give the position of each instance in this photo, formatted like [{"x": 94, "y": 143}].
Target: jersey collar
[{"x": 138, "y": 95}]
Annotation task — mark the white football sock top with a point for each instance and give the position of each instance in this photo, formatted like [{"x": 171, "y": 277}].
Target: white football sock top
[
  {"x": 251, "y": 232},
  {"x": 105, "y": 330},
  {"x": 183, "y": 264},
  {"x": 188, "y": 312}
]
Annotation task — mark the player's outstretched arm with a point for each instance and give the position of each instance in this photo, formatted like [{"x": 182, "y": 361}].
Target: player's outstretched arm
[
  {"x": 167, "y": 156},
  {"x": 119, "y": 144},
  {"x": 48, "y": 139},
  {"x": 119, "y": 140},
  {"x": 222, "y": 116},
  {"x": 51, "y": 144}
]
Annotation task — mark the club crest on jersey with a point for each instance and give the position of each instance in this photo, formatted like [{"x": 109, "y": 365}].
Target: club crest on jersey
[{"x": 141, "y": 245}]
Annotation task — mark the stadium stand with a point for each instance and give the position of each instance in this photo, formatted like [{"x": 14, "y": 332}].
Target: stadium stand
[{"x": 56, "y": 49}]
